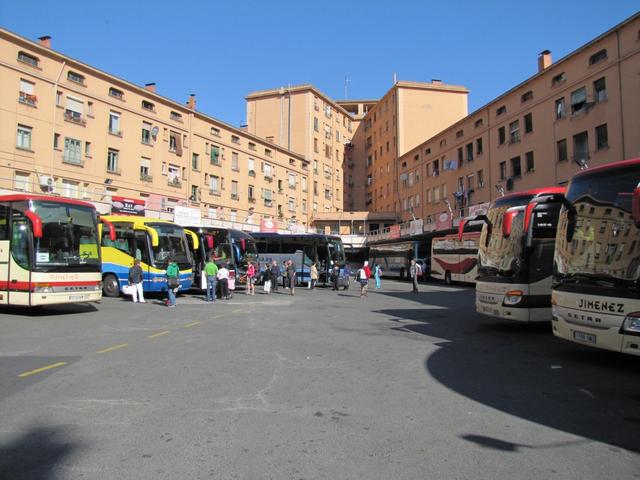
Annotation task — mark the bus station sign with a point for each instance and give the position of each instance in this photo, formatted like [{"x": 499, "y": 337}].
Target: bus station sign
[{"x": 127, "y": 206}]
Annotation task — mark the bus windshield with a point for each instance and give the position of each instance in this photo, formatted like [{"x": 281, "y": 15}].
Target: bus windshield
[
  {"x": 69, "y": 238},
  {"x": 244, "y": 248},
  {"x": 604, "y": 243},
  {"x": 499, "y": 255},
  {"x": 171, "y": 243},
  {"x": 336, "y": 250}
]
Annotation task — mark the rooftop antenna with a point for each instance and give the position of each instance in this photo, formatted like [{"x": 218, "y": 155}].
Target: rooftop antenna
[
  {"x": 346, "y": 87},
  {"x": 395, "y": 78}
]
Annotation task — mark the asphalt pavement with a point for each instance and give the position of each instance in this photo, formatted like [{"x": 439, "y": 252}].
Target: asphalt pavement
[{"x": 320, "y": 385}]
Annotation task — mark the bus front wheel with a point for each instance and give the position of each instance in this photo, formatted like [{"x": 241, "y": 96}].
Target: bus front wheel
[
  {"x": 110, "y": 285},
  {"x": 447, "y": 277},
  {"x": 402, "y": 274}
]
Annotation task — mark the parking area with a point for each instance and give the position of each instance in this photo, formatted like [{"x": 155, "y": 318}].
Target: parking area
[{"x": 322, "y": 384}]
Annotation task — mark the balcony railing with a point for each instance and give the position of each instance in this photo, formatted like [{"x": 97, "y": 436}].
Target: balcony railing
[
  {"x": 146, "y": 178},
  {"x": 74, "y": 117},
  {"x": 28, "y": 99},
  {"x": 174, "y": 182}
]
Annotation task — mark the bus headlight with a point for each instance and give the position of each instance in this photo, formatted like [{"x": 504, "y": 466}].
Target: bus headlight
[
  {"x": 631, "y": 324},
  {"x": 513, "y": 297},
  {"x": 43, "y": 288}
]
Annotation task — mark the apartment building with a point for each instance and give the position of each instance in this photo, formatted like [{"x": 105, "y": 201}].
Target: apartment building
[
  {"x": 304, "y": 120},
  {"x": 70, "y": 129},
  {"x": 583, "y": 110}
]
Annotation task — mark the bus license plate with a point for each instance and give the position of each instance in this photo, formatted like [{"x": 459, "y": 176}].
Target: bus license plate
[
  {"x": 489, "y": 310},
  {"x": 76, "y": 298},
  {"x": 584, "y": 337}
]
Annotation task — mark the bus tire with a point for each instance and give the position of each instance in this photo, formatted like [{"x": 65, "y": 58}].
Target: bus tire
[
  {"x": 402, "y": 273},
  {"x": 447, "y": 277},
  {"x": 110, "y": 285}
]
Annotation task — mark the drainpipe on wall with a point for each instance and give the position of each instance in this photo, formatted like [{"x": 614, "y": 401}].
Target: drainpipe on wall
[{"x": 53, "y": 121}]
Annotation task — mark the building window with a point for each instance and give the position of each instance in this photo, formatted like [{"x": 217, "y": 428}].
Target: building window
[
  {"x": 75, "y": 77},
  {"x": 480, "y": 176},
  {"x": 87, "y": 149},
  {"x": 145, "y": 169},
  {"x": 529, "y": 159},
  {"x": 599, "y": 90},
  {"x": 175, "y": 143},
  {"x": 251, "y": 192},
  {"x": 74, "y": 111},
  {"x": 578, "y": 100},
  {"x": 148, "y": 106},
  {"x": 514, "y": 132},
  {"x": 23, "y": 139},
  {"x": 234, "y": 189},
  {"x": 235, "y": 139},
  {"x": 598, "y": 56},
  {"x": 459, "y": 133},
  {"x": 21, "y": 182},
  {"x": 252, "y": 146},
  {"x": 503, "y": 170},
  {"x": 602, "y": 137},
  {"x": 501, "y": 110},
  {"x": 292, "y": 180},
  {"x": 114, "y": 92},
  {"x": 175, "y": 116},
  {"x": 234, "y": 161},
  {"x": 114, "y": 123},
  {"x": 581, "y": 147},
  {"x": 267, "y": 170},
  {"x": 29, "y": 59},
  {"x": 478, "y": 123},
  {"x": 528, "y": 123},
  {"x": 558, "y": 79},
  {"x": 526, "y": 96},
  {"x": 479, "y": 146},
  {"x": 469, "y": 148},
  {"x": 562, "y": 150},
  {"x": 267, "y": 152},
  {"x": 501, "y": 136},
  {"x": 195, "y": 197},
  {"x": 26, "y": 94},
  {"x": 214, "y": 183},
  {"x": 252, "y": 167},
  {"x": 146, "y": 133},
  {"x": 516, "y": 169},
  {"x": 195, "y": 161},
  {"x": 59, "y": 98},
  {"x": 72, "y": 151},
  {"x": 304, "y": 184},
  {"x": 174, "y": 176},
  {"x": 560, "y": 111},
  {"x": 460, "y": 157},
  {"x": 215, "y": 155},
  {"x": 292, "y": 204},
  {"x": 215, "y": 131},
  {"x": 56, "y": 141},
  {"x": 112, "y": 161}
]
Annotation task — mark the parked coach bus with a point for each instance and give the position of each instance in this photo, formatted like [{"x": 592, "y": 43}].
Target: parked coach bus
[
  {"x": 303, "y": 249},
  {"x": 394, "y": 256},
  {"x": 454, "y": 256},
  {"x": 515, "y": 255},
  {"x": 233, "y": 248},
  {"x": 596, "y": 290},
  {"x": 48, "y": 251},
  {"x": 150, "y": 240}
]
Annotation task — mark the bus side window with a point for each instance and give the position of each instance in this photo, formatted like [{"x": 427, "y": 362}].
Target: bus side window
[
  {"x": 141, "y": 248},
  {"x": 4, "y": 222},
  {"x": 20, "y": 234}
]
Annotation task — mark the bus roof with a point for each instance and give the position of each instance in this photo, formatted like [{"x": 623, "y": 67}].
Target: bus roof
[
  {"x": 288, "y": 235},
  {"x": 608, "y": 166},
  {"x": 136, "y": 219},
  {"x": 208, "y": 229},
  {"x": 534, "y": 192},
  {"x": 23, "y": 197}
]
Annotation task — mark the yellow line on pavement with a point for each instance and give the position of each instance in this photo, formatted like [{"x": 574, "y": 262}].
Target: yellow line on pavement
[
  {"x": 159, "y": 334},
  {"x": 43, "y": 369},
  {"x": 237, "y": 310},
  {"x": 115, "y": 347},
  {"x": 193, "y": 324}
]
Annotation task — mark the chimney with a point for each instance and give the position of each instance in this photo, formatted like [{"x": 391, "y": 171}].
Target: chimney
[
  {"x": 191, "y": 104},
  {"x": 45, "y": 41},
  {"x": 544, "y": 60},
  {"x": 150, "y": 86},
  {"x": 436, "y": 81}
]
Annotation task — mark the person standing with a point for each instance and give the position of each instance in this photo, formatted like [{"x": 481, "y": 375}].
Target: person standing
[
  {"x": 335, "y": 275},
  {"x": 377, "y": 273},
  {"x": 291, "y": 276},
  {"x": 415, "y": 271},
  {"x": 313, "y": 274},
  {"x": 223, "y": 278},
  {"x": 347, "y": 275},
  {"x": 135, "y": 280},
  {"x": 266, "y": 279},
  {"x": 363, "y": 278},
  {"x": 275, "y": 275},
  {"x": 173, "y": 281},
  {"x": 211, "y": 272},
  {"x": 251, "y": 278}
]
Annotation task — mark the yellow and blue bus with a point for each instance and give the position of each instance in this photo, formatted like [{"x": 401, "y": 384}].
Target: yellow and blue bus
[{"x": 152, "y": 241}]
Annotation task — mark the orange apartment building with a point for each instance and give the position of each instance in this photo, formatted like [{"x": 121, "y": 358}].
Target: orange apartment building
[
  {"x": 583, "y": 110},
  {"x": 70, "y": 129}
]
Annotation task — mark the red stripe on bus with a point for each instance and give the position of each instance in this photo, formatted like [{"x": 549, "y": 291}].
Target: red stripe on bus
[
  {"x": 30, "y": 286},
  {"x": 463, "y": 267}
]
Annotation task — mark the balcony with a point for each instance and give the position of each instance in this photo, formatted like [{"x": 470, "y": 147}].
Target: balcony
[
  {"x": 146, "y": 177},
  {"x": 251, "y": 199},
  {"x": 214, "y": 192},
  {"x": 174, "y": 182},
  {"x": 268, "y": 177},
  {"x": 28, "y": 99},
  {"x": 74, "y": 117},
  {"x": 114, "y": 170},
  {"x": 235, "y": 196},
  {"x": 72, "y": 160}
]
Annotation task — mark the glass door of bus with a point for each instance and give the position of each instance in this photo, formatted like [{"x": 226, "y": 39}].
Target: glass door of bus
[{"x": 20, "y": 261}]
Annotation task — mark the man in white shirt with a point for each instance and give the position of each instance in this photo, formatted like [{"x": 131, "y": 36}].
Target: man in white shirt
[{"x": 223, "y": 279}]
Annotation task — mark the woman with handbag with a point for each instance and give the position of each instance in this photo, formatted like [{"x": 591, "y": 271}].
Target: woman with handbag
[{"x": 173, "y": 281}]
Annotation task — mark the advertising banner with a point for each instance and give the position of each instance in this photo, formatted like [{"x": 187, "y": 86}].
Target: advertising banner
[
  {"x": 127, "y": 206},
  {"x": 416, "y": 227},
  {"x": 443, "y": 221},
  {"x": 480, "y": 209},
  {"x": 187, "y": 216},
  {"x": 394, "y": 231},
  {"x": 268, "y": 226}
]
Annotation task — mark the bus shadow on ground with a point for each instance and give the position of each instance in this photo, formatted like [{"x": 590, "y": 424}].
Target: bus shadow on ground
[
  {"x": 35, "y": 453},
  {"x": 523, "y": 370},
  {"x": 49, "y": 311}
]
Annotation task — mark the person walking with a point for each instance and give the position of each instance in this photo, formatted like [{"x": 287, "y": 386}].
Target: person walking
[
  {"x": 135, "y": 280},
  {"x": 313, "y": 275},
  {"x": 223, "y": 278},
  {"x": 363, "y": 278},
  {"x": 415, "y": 271},
  {"x": 377, "y": 273},
  {"x": 211, "y": 272},
  {"x": 173, "y": 281},
  {"x": 251, "y": 279},
  {"x": 275, "y": 275},
  {"x": 266, "y": 279},
  {"x": 347, "y": 275},
  {"x": 291, "y": 276},
  {"x": 335, "y": 275},
  {"x": 285, "y": 278}
]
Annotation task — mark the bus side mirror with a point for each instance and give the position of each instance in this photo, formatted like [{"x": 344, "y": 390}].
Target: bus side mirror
[
  {"x": 112, "y": 230},
  {"x": 36, "y": 222},
  {"x": 635, "y": 207},
  {"x": 461, "y": 229},
  {"x": 528, "y": 214},
  {"x": 507, "y": 222}
]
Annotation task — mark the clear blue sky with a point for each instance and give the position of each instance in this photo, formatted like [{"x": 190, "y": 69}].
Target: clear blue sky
[{"x": 223, "y": 50}]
